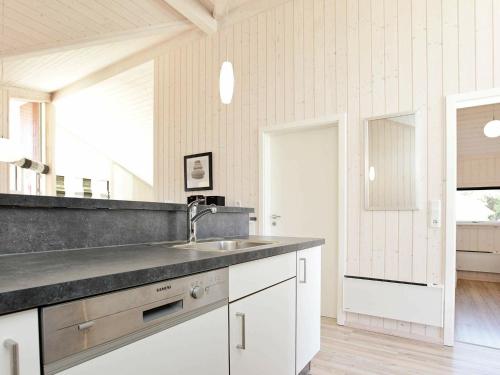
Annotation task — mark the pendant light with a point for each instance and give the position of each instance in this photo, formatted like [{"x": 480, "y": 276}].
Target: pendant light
[
  {"x": 492, "y": 128},
  {"x": 226, "y": 82},
  {"x": 371, "y": 173}
]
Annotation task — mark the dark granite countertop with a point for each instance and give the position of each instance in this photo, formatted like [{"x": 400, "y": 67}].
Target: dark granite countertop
[
  {"x": 32, "y": 201},
  {"x": 45, "y": 278}
]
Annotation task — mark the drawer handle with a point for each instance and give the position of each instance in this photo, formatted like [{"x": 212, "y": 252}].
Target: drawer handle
[
  {"x": 243, "y": 338},
  {"x": 13, "y": 346},
  {"x": 86, "y": 325},
  {"x": 304, "y": 280}
]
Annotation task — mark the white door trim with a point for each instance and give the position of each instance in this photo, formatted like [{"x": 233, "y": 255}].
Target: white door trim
[
  {"x": 454, "y": 102},
  {"x": 340, "y": 121}
]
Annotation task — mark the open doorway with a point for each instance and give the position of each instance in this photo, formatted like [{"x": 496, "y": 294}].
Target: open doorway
[
  {"x": 478, "y": 228},
  {"x": 303, "y": 193},
  {"x": 472, "y": 290}
]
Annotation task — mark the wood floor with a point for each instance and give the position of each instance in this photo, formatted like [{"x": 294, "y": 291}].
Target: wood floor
[
  {"x": 477, "y": 317},
  {"x": 352, "y": 351}
]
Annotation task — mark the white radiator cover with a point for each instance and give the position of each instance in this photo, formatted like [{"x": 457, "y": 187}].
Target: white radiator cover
[
  {"x": 478, "y": 262},
  {"x": 407, "y": 302}
]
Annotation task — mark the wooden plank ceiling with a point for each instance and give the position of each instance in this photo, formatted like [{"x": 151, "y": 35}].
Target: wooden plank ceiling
[
  {"x": 470, "y": 131},
  {"x": 46, "y": 45},
  {"x": 53, "y": 71},
  {"x": 30, "y": 26}
]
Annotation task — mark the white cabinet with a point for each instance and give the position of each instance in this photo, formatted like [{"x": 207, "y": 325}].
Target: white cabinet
[
  {"x": 262, "y": 332},
  {"x": 308, "y": 305},
  {"x": 19, "y": 343},
  {"x": 197, "y": 346}
]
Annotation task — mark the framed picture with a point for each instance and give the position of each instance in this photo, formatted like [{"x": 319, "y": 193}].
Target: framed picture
[{"x": 198, "y": 172}]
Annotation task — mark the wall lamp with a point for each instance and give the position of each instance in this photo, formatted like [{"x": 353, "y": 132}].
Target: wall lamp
[{"x": 10, "y": 152}]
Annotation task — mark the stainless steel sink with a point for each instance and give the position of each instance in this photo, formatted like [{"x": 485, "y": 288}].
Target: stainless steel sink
[{"x": 229, "y": 245}]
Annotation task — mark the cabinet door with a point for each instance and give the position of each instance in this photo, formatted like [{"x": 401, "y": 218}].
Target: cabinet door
[
  {"x": 308, "y": 305},
  {"x": 197, "y": 346},
  {"x": 19, "y": 333},
  {"x": 262, "y": 332}
]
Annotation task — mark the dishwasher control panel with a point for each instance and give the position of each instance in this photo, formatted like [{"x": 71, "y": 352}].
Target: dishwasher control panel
[{"x": 69, "y": 330}]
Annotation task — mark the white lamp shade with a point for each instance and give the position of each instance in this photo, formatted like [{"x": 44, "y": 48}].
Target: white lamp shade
[
  {"x": 371, "y": 174},
  {"x": 492, "y": 129},
  {"x": 10, "y": 151},
  {"x": 226, "y": 82}
]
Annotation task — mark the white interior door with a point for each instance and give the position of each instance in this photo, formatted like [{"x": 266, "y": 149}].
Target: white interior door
[{"x": 301, "y": 188}]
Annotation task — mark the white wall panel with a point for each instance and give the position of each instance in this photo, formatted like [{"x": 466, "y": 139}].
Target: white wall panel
[
  {"x": 4, "y": 133},
  {"x": 111, "y": 127},
  {"x": 309, "y": 58},
  {"x": 478, "y": 237}
]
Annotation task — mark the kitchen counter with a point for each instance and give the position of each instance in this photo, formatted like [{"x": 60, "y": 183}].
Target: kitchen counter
[{"x": 44, "y": 278}]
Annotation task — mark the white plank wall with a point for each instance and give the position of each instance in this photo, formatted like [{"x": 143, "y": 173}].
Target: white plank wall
[
  {"x": 478, "y": 237},
  {"x": 307, "y": 58},
  {"x": 122, "y": 110},
  {"x": 4, "y": 133},
  {"x": 478, "y": 171}
]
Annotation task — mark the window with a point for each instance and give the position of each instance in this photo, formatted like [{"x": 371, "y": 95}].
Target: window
[
  {"x": 478, "y": 205},
  {"x": 26, "y": 127}
]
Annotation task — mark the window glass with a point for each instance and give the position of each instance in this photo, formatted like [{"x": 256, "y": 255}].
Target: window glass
[
  {"x": 26, "y": 128},
  {"x": 478, "y": 205}
]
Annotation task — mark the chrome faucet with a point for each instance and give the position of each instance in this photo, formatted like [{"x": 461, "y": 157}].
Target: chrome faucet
[{"x": 193, "y": 216}]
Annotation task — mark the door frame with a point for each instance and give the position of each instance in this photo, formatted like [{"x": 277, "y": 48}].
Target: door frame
[
  {"x": 453, "y": 103},
  {"x": 339, "y": 121}
]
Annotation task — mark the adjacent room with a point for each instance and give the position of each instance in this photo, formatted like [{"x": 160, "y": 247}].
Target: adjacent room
[
  {"x": 249, "y": 187},
  {"x": 478, "y": 235}
]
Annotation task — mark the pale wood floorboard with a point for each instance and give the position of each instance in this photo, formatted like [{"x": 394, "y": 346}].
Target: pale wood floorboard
[
  {"x": 477, "y": 318},
  {"x": 352, "y": 351}
]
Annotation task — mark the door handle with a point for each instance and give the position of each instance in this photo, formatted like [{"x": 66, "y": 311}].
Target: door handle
[
  {"x": 13, "y": 346},
  {"x": 304, "y": 280},
  {"x": 274, "y": 217},
  {"x": 242, "y": 346}
]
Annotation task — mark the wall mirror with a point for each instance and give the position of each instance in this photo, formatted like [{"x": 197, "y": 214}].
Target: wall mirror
[{"x": 390, "y": 162}]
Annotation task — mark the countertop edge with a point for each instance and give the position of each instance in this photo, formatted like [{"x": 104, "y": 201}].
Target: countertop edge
[
  {"x": 37, "y": 201},
  {"x": 30, "y": 298}
]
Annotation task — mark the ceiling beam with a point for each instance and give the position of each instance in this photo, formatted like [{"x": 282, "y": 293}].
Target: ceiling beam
[
  {"x": 195, "y": 12},
  {"x": 64, "y": 45},
  {"x": 128, "y": 63},
  {"x": 26, "y": 93},
  {"x": 221, "y": 9},
  {"x": 244, "y": 9}
]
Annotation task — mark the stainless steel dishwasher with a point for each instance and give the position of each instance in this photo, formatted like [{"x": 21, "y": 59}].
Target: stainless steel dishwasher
[{"x": 176, "y": 327}]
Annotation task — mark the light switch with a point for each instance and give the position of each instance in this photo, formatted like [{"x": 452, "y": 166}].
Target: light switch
[{"x": 435, "y": 213}]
